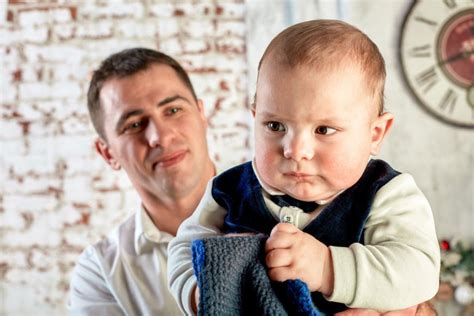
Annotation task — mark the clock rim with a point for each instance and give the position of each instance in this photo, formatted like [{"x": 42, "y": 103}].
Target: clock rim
[{"x": 406, "y": 81}]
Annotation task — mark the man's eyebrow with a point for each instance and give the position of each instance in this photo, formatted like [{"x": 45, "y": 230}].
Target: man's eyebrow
[
  {"x": 171, "y": 99},
  {"x": 124, "y": 117}
]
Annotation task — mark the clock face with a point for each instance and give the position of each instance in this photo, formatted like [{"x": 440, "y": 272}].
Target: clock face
[{"x": 437, "y": 58}]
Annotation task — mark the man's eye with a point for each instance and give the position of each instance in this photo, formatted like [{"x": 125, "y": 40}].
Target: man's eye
[
  {"x": 134, "y": 126},
  {"x": 275, "y": 126},
  {"x": 325, "y": 130},
  {"x": 173, "y": 110}
]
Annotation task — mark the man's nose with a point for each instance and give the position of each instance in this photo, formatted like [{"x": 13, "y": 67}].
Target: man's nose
[
  {"x": 158, "y": 134},
  {"x": 299, "y": 147}
]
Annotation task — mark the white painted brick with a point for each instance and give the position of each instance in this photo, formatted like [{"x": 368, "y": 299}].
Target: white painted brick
[
  {"x": 39, "y": 234},
  {"x": 10, "y": 55},
  {"x": 42, "y": 90},
  {"x": 63, "y": 31},
  {"x": 11, "y": 130},
  {"x": 34, "y": 90},
  {"x": 34, "y": 34},
  {"x": 13, "y": 149},
  {"x": 114, "y": 9},
  {"x": 13, "y": 257},
  {"x": 30, "y": 72},
  {"x": 199, "y": 28},
  {"x": 232, "y": 10},
  {"x": 73, "y": 70},
  {"x": 134, "y": 29},
  {"x": 95, "y": 30},
  {"x": 3, "y": 12},
  {"x": 168, "y": 28},
  {"x": 29, "y": 203},
  {"x": 21, "y": 163},
  {"x": 75, "y": 189},
  {"x": 28, "y": 111},
  {"x": 60, "y": 219},
  {"x": 171, "y": 46},
  {"x": 33, "y": 17},
  {"x": 76, "y": 125},
  {"x": 40, "y": 129},
  {"x": 231, "y": 28},
  {"x": 61, "y": 15},
  {"x": 194, "y": 46},
  {"x": 218, "y": 62},
  {"x": 71, "y": 145},
  {"x": 8, "y": 36},
  {"x": 231, "y": 45},
  {"x": 114, "y": 212},
  {"x": 31, "y": 185},
  {"x": 8, "y": 93},
  {"x": 90, "y": 163},
  {"x": 36, "y": 17},
  {"x": 53, "y": 53},
  {"x": 162, "y": 10},
  {"x": 12, "y": 219},
  {"x": 75, "y": 237}
]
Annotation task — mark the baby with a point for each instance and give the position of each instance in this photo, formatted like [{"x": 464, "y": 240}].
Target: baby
[{"x": 356, "y": 231}]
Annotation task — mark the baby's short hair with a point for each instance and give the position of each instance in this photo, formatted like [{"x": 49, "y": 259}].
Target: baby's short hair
[{"x": 326, "y": 44}]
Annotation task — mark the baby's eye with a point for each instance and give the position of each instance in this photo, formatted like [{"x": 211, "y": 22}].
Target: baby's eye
[
  {"x": 325, "y": 130},
  {"x": 275, "y": 126}
]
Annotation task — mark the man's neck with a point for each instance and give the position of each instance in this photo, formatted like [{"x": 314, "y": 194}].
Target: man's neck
[
  {"x": 167, "y": 217},
  {"x": 168, "y": 212}
]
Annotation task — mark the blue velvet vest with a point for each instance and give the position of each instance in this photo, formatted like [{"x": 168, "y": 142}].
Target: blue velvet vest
[{"x": 341, "y": 223}]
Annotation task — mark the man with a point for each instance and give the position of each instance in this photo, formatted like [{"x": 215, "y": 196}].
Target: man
[{"x": 151, "y": 124}]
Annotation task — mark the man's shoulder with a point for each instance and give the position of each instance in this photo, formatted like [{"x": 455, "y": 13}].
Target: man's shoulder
[{"x": 120, "y": 239}]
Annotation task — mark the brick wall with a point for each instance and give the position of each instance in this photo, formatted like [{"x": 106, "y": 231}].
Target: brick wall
[{"x": 56, "y": 194}]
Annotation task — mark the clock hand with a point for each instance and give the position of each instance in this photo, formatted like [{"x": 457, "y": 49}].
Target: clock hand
[{"x": 452, "y": 58}]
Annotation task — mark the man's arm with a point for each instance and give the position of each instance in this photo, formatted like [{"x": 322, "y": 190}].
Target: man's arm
[{"x": 89, "y": 293}]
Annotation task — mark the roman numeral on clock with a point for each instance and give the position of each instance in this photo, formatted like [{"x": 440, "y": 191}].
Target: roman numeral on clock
[
  {"x": 448, "y": 102},
  {"x": 426, "y": 21},
  {"x": 427, "y": 79},
  {"x": 420, "y": 51}
]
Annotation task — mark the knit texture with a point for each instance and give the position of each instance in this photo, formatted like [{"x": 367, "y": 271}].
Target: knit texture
[{"x": 233, "y": 280}]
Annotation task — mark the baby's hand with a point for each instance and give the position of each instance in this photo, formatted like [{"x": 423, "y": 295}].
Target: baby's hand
[{"x": 292, "y": 254}]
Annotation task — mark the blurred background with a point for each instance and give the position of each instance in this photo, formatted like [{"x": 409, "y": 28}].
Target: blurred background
[{"x": 57, "y": 195}]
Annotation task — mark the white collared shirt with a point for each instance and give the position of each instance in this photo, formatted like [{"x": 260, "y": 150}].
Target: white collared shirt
[{"x": 124, "y": 274}]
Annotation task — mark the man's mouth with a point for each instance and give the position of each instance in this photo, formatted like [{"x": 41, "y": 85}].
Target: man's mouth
[{"x": 170, "y": 160}]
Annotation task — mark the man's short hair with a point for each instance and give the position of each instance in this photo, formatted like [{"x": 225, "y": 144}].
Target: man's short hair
[
  {"x": 326, "y": 45},
  {"x": 123, "y": 64}
]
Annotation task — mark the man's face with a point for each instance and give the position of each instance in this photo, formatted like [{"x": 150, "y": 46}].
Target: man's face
[
  {"x": 314, "y": 130},
  {"x": 156, "y": 131}
]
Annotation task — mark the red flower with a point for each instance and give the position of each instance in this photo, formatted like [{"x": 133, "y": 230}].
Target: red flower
[{"x": 445, "y": 245}]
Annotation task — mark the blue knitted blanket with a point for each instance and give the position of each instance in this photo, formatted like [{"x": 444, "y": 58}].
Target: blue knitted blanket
[{"x": 233, "y": 280}]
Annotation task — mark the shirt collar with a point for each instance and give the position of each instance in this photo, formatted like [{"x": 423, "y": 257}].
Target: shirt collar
[{"x": 146, "y": 233}]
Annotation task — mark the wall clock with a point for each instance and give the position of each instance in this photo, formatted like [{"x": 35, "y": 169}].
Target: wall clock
[{"x": 436, "y": 52}]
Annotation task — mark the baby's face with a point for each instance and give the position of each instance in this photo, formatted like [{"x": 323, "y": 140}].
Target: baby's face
[{"x": 313, "y": 129}]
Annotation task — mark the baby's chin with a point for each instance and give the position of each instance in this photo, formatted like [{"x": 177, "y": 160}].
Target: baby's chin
[{"x": 320, "y": 198}]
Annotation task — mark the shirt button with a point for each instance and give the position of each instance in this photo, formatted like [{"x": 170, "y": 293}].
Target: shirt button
[{"x": 287, "y": 218}]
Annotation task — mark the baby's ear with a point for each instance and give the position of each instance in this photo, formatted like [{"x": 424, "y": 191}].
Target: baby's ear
[{"x": 380, "y": 128}]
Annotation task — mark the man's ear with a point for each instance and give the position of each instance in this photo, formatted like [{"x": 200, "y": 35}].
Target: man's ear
[
  {"x": 200, "y": 106},
  {"x": 103, "y": 149},
  {"x": 379, "y": 130}
]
